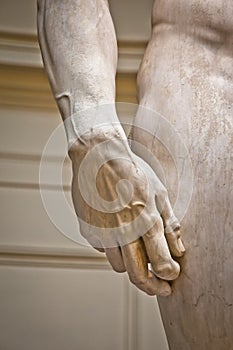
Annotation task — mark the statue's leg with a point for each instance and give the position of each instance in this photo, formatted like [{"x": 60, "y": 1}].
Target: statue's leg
[
  {"x": 79, "y": 48},
  {"x": 186, "y": 76}
]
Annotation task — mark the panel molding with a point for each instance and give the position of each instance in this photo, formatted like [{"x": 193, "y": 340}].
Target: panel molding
[
  {"x": 23, "y": 50},
  {"x": 22, "y": 171},
  {"x": 20, "y": 50},
  {"x": 52, "y": 257},
  {"x": 130, "y": 54},
  {"x": 23, "y": 82},
  {"x": 28, "y": 87}
]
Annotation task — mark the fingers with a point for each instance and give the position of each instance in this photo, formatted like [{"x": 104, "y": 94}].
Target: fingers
[
  {"x": 136, "y": 263},
  {"x": 171, "y": 227},
  {"x": 158, "y": 252},
  {"x": 115, "y": 258}
]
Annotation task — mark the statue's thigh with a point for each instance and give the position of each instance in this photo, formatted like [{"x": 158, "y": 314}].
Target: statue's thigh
[{"x": 199, "y": 313}]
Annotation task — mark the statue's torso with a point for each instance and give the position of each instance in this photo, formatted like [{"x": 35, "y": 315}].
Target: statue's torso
[{"x": 216, "y": 14}]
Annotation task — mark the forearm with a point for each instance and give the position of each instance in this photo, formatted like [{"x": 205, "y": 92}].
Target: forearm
[{"x": 79, "y": 49}]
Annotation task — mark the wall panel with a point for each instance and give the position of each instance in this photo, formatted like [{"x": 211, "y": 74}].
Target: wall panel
[
  {"x": 55, "y": 293},
  {"x": 47, "y": 308}
]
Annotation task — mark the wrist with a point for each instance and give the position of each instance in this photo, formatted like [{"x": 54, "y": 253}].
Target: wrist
[
  {"x": 111, "y": 134},
  {"x": 89, "y": 122}
]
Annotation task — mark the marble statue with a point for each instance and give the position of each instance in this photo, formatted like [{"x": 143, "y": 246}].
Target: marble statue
[{"x": 186, "y": 76}]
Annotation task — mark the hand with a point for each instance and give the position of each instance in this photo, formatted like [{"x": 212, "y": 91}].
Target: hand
[{"x": 116, "y": 196}]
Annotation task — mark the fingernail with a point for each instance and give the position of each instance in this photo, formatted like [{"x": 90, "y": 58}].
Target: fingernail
[{"x": 181, "y": 246}]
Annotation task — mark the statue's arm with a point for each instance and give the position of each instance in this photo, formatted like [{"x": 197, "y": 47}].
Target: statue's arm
[{"x": 79, "y": 49}]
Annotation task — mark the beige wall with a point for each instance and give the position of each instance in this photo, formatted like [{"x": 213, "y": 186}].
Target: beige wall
[
  {"x": 54, "y": 293},
  {"x": 131, "y": 17}
]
